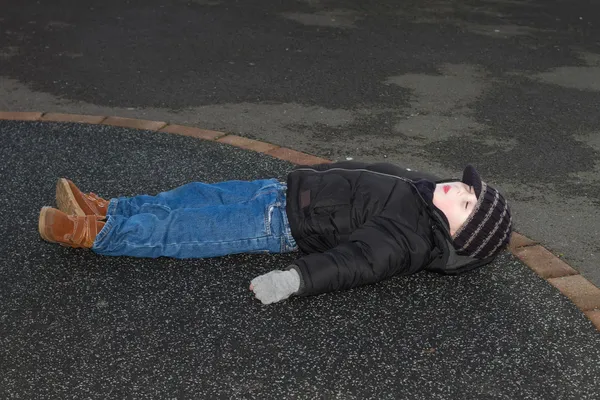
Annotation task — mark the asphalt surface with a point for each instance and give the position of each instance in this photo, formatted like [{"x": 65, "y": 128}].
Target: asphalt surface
[
  {"x": 511, "y": 86},
  {"x": 76, "y": 325}
]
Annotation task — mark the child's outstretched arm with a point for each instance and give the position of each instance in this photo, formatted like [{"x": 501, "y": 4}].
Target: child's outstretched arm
[{"x": 367, "y": 257}]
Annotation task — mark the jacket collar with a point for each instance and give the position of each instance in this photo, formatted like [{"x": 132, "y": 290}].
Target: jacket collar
[{"x": 448, "y": 261}]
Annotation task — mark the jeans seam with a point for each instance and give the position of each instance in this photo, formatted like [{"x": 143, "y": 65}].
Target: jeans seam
[
  {"x": 260, "y": 193},
  {"x": 112, "y": 206},
  {"x": 268, "y": 219},
  {"x": 104, "y": 231},
  {"x": 290, "y": 242},
  {"x": 188, "y": 243}
]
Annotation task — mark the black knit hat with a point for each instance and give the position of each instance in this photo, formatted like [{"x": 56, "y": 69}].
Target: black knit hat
[{"x": 487, "y": 230}]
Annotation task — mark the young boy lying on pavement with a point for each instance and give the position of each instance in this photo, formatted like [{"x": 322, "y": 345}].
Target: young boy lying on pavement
[{"x": 355, "y": 223}]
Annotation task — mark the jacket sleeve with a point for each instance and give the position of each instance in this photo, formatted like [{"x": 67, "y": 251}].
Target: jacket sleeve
[{"x": 378, "y": 250}]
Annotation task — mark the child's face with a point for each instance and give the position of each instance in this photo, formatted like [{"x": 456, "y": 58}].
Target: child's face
[{"x": 456, "y": 200}]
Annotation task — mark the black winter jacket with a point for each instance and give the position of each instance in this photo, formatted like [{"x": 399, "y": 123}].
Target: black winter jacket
[{"x": 361, "y": 223}]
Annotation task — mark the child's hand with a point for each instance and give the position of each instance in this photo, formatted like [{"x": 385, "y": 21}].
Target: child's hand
[{"x": 275, "y": 285}]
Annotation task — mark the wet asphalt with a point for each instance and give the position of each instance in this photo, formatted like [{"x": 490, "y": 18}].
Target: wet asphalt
[{"x": 76, "y": 325}]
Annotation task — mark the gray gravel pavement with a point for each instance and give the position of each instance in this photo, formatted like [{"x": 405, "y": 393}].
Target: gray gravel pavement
[
  {"x": 76, "y": 325},
  {"x": 510, "y": 85}
]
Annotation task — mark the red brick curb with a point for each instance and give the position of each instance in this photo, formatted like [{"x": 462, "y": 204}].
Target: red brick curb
[
  {"x": 193, "y": 132},
  {"x": 584, "y": 294},
  {"x": 21, "y": 116},
  {"x": 86, "y": 119},
  {"x": 248, "y": 144},
  {"x": 134, "y": 123}
]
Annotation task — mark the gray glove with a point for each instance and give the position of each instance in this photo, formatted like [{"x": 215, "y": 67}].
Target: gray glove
[{"x": 275, "y": 285}]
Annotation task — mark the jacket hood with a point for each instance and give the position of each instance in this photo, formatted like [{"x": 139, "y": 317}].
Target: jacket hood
[{"x": 448, "y": 261}]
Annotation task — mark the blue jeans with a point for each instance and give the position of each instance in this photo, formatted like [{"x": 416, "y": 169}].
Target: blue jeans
[{"x": 199, "y": 220}]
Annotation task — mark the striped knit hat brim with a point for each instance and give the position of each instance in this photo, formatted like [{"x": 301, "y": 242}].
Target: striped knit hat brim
[{"x": 487, "y": 230}]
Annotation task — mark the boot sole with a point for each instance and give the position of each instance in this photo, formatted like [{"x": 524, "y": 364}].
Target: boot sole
[
  {"x": 66, "y": 200},
  {"x": 45, "y": 216}
]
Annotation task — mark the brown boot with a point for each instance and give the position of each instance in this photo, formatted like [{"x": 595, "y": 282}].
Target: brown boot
[
  {"x": 73, "y": 201},
  {"x": 69, "y": 230}
]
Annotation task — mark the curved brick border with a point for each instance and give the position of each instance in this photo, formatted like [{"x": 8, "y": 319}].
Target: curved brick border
[{"x": 584, "y": 294}]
